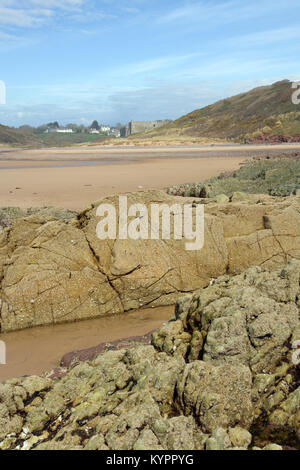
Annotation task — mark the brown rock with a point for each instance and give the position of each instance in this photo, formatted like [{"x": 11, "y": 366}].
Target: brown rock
[{"x": 54, "y": 271}]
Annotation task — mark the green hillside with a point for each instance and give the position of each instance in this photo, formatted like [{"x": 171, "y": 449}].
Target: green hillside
[
  {"x": 16, "y": 137},
  {"x": 27, "y": 137},
  {"x": 262, "y": 114}
]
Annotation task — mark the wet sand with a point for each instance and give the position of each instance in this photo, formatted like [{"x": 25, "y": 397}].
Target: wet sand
[
  {"x": 76, "y": 187},
  {"x": 94, "y": 152},
  {"x": 36, "y": 350},
  {"x": 74, "y": 177}
]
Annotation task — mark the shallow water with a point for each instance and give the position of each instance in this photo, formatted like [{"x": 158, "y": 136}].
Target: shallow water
[{"x": 36, "y": 350}]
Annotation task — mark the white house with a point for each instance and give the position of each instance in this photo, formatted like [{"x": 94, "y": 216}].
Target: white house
[
  {"x": 104, "y": 129},
  {"x": 64, "y": 131},
  {"x": 59, "y": 131}
]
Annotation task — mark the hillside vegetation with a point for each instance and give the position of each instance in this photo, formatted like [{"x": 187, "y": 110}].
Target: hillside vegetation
[
  {"x": 11, "y": 136},
  {"x": 276, "y": 177},
  {"x": 264, "y": 114},
  {"x": 26, "y": 137}
]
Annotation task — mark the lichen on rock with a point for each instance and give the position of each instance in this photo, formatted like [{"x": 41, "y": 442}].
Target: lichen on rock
[{"x": 218, "y": 375}]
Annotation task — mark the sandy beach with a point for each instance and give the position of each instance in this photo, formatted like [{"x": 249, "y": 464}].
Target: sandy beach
[{"x": 75, "y": 177}]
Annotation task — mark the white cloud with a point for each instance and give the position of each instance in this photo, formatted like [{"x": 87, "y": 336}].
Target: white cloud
[
  {"x": 64, "y": 4},
  {"x": 23, "y": 18},
  {"x": 157, "y": 63},
  {"x": 8, "y": 37},
  {"x": 263, "y": 38},
  {"x": 205, "y": 13},
  {"x": 17, "y": 16},
  {"x": 34, "y": 13}
]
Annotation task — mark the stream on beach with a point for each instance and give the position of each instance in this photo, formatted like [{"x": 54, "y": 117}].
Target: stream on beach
[{"x": 40, "y": 349}]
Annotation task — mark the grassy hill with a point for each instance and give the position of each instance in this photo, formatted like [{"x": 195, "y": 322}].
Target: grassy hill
[
  {"x": 10, "y": 136},
  {"x": 25, "y": 137},
  {"x": 260, "y": 115}
]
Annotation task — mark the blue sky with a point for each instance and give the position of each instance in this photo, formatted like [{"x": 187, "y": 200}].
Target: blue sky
[{"x": 117, "y": 60}]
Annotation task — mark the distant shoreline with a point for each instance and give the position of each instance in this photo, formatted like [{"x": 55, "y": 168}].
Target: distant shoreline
[{"x": 95, "y": 153}]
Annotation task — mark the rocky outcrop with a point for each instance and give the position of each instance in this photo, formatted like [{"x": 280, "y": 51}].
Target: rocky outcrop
[
  {"x": 54, "y": 271},
  {"x": 9, "y": 214},
  {"x": 277, "y": 176},
  {"x": 273, "y": 139},
  {"x": 219, "y": 375},
  {"x": 248, "y": 319},
  {"x": 74, "y": 357}
]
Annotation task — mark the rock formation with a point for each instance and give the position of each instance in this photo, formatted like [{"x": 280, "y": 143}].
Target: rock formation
[
  {"x": 219, "y": 375},
  {"x": 55, "y": 270},
  {"x": 9, "y": 214},
  {"x": 276, "y": 176}
]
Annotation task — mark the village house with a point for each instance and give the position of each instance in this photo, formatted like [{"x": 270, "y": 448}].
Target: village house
[{"x": 60, "y": 130}]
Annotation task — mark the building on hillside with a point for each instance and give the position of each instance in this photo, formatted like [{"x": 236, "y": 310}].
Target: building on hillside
[
  {"x": 135, "y": 127},
  {"x": 114, "y": 132},
  {"x": 64, "y": 131},
  {"x": 124, "y": 131},
  {"x": 61, "y": 130},
  {"x": 105, "y": 129}
]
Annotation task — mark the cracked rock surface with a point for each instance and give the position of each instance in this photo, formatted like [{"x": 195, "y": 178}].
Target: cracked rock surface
[
  {"x": 219, "y": 375},
  {"x": 9, "y": 214},
  {"x": 55, "y": 270}
]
